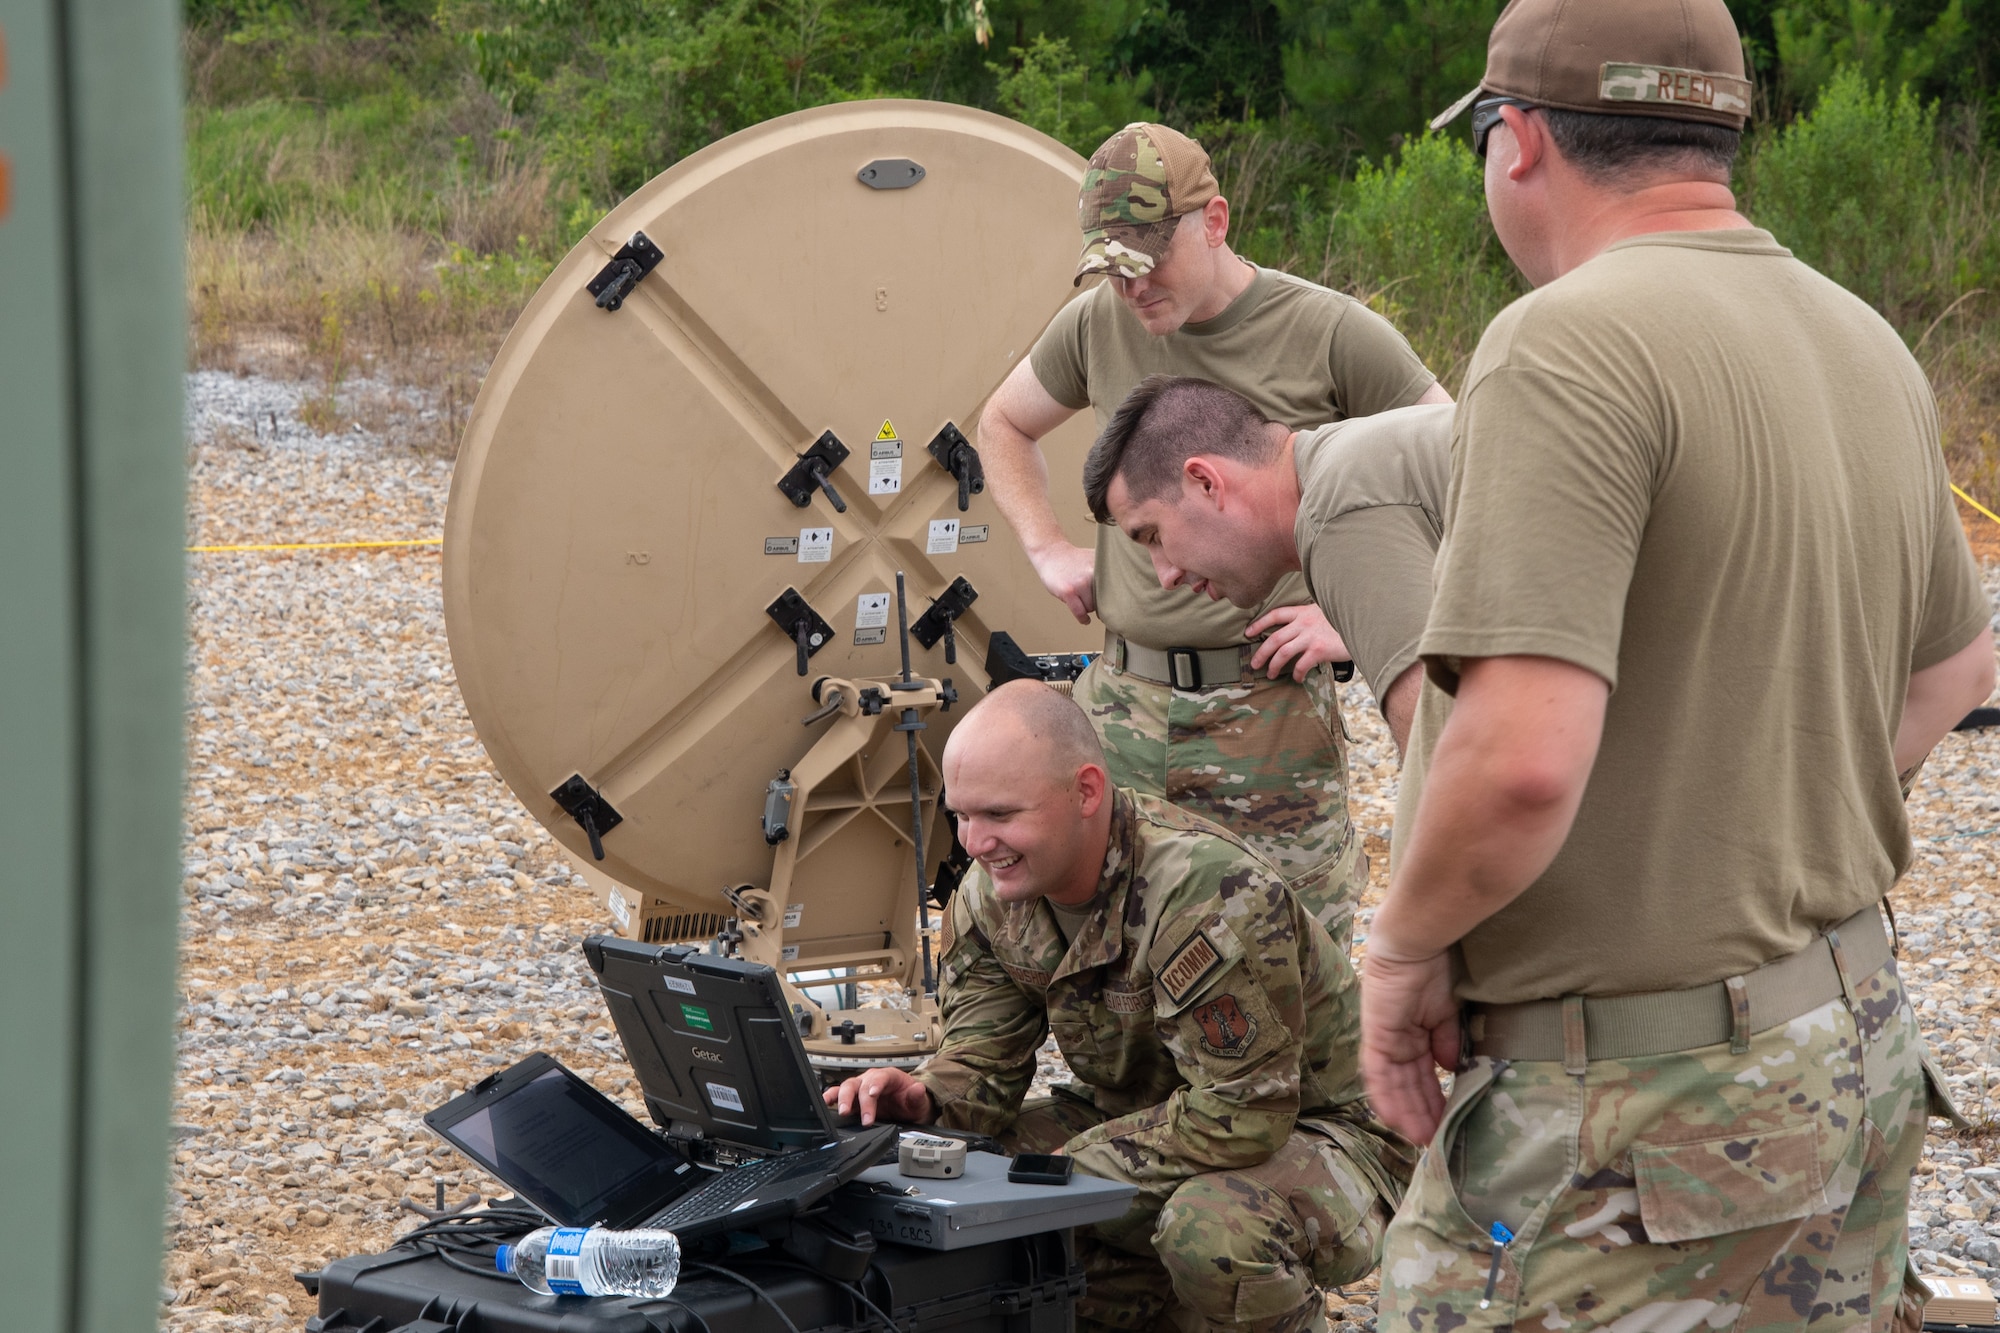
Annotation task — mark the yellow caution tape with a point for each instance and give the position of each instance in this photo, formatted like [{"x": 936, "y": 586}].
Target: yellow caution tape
[
  {"x": 1974, "y": 503},
  {"x": 317, "y": 546}
]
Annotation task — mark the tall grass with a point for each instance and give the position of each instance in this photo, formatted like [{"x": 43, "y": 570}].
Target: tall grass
[{"x": 358, "y": 206}]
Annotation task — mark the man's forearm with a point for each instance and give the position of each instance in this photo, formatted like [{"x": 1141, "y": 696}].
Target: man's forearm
[
  {"x": 1017, "y": 478},
  {"x": 1500, "y": 794},
  {"x": 1939, "y": 696}
]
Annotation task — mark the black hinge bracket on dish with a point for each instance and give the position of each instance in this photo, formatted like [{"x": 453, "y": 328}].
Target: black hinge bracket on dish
[
  {"x": 890, "y": 173},
  {"x": 615, "y": 281},
  {"x": 587, "y": 806},
  {"x": 1006, "y": 661},
  {"x": 814, "y": 471},
  {"x": 937, "y": 622},
  {"x": 955, "y": 454},
  {"x": 801, "y": 624}
]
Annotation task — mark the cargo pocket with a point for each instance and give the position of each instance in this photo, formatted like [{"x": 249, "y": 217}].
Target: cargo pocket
[
  {"x": 1937, "y": 1097},
  {"x": 1433, "y": 1194},
  {"x": 1691, "y": 1191},
  {"x": 1267, "y": 1296}
]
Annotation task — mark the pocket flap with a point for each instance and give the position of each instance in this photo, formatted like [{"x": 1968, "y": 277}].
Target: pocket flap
[
  {"x": 1688, "y": 1191},
  {"x": 1937, "y": 1097}
]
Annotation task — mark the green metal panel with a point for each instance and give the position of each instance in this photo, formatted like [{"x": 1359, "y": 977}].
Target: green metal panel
[{"x": 91, "y": 652}]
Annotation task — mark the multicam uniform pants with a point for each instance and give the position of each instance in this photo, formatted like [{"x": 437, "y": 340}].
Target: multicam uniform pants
[
  {"x": 1246, "y": 1249},
  {"x": 1265, "y": 759},
  {"x": 1675, "y": 1193}
]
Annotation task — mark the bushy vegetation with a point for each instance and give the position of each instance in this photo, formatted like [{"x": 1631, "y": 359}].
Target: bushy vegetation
[{"x": 394, "y": 177}]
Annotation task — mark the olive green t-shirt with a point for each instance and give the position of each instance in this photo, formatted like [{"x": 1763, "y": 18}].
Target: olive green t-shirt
[
  {"x": 1302, "y": 354},
  {"x": 1704, "y": 472},
  {"x": 1371, "y": 509}
]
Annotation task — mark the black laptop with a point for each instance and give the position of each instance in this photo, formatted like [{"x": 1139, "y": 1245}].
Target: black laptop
[
  {"x": 715, "y": 1047},
  {"x": 581, "y": 1160},
  {"x": 717, "y": 1053}
]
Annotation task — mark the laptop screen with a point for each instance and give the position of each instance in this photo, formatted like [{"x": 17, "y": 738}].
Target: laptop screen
[
  {"x": 714, "y": 1045},
  {"x": 568, "y": 1149}
]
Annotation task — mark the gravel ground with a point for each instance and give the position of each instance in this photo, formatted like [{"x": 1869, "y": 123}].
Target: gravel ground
[{"x": 372, "y": 921}]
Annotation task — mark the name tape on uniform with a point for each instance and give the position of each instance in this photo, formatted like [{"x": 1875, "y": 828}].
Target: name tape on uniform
[{"x": 1189, "y": 966}]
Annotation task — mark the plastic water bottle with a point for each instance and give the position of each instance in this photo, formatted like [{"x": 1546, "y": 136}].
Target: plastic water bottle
[{"x": 594, "y": 1261}]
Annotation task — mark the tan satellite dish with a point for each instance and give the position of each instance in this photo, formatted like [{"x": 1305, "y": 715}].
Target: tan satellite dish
[{"x": 639, "y": 550}]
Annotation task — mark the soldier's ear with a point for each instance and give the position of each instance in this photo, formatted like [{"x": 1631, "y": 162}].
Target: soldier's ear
[
  {"x": 1092, "y": 785},
  {"x": 1202, "y": 479}
]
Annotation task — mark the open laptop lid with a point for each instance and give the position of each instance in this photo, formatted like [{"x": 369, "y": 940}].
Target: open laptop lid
[
  {"x": 714, "y": 1045},
  {"x": 564, "y": 1146}
]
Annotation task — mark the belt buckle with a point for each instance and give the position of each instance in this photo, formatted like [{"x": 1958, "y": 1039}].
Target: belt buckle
[{"x": 1184, "y": 668}]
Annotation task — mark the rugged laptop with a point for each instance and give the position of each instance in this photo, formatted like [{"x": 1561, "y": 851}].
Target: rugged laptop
[{"x": 579, "y": 1158}]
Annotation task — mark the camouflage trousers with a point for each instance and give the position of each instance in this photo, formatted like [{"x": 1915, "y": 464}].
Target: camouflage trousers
[
  {"x": 1265, "y": 759},
  {"x": 1676, "y": 1193},
  {"x": 1253, "y": 1248}
]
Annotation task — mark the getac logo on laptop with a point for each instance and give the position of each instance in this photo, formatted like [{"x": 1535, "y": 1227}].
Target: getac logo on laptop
[{"x": 703, "y": 1053}]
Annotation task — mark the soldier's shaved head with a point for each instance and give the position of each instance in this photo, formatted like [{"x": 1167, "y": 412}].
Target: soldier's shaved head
[
  {"x": 1025, "y": 775},
  {"x": 1041, "y": 729}
]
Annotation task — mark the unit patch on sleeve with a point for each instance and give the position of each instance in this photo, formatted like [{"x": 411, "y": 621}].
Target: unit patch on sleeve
[
  {"x": 1225, "y": 1029},
  {"x": 1190, "y": 965}
]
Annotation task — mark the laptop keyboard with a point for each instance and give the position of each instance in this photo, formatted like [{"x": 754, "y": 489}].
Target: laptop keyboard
[{"x": 723, "y": 1193}]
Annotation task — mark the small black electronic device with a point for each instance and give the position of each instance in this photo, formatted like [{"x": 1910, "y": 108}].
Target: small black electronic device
[{"x": 1040, "y": 1168}]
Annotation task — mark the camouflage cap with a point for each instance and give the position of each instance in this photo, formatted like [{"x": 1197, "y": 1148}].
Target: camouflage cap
[
  {"x": 1138, "y": 183},
  {"x": 1679, "y": 59}
]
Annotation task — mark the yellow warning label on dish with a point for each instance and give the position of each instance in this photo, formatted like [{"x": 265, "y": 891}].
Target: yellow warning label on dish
[{"x": 888, "y": 431}]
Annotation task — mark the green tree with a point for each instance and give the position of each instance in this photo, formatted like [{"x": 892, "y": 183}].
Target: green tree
[
  {"x": 1854, "y": 189},
  {"x": 1371, "y": 71}
]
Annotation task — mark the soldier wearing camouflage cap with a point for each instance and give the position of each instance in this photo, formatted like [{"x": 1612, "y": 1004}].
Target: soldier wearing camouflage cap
[
  {"x": 1209, "y": 1021},
  {"x": 1702, "y": 600},
  {"x": 1231, "y": 714}
]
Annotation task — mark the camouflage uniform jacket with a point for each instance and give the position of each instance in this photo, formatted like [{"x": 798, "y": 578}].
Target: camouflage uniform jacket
[{"x": 1205, "y": 1011}]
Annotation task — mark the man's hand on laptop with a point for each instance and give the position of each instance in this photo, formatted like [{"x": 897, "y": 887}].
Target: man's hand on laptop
[{"x": 883, "y": 1094}]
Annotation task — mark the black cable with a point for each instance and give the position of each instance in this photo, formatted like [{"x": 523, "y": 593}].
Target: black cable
[
  {"x": 461, "y": 1236},
  {"x": 756, "y": 1290},
  {"x": 850, "y": 1288}
]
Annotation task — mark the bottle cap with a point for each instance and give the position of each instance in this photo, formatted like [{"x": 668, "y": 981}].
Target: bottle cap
[{"x": 503, "y": 1259}]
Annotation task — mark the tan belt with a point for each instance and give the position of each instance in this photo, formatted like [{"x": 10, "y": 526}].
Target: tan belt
[
  {"x": 1577, "y": 1028},
  {"x": 1182, "y": 668}
]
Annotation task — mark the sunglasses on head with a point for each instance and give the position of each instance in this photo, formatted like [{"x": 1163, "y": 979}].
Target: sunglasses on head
[{"x": 1486, "y": 114}]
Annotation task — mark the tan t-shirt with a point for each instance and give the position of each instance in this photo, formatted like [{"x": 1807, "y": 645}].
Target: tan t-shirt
[
  {"x": 1711, "y": 476},
  {"x": 1371, "y": 510},
  {"x": 1303, "y": 354}
]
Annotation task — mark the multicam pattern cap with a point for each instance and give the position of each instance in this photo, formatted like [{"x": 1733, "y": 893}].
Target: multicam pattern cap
[
  {"x": 1138, "y": 184},
  {"x": 1679, "y": 59}
]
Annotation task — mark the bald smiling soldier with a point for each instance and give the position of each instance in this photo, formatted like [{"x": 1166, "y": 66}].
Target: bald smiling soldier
[{"x": 1210, "y": 1021}]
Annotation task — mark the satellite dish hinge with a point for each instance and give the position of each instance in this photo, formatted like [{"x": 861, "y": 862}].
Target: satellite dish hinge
[
  {"x": 890, "y": 173},
  {"x": 587, "y": 806},
  {"x": 938, "y": 621},
  {"x": 615, "y": 281},
  {"x": 1005, "y": 661},
  {"x": 955, "y": 454},
  {"x": 807, "y": 630},
  {"x": 814, "y": 471}
]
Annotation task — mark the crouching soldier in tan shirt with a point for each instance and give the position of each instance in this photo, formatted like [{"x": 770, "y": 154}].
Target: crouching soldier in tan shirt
[{"x": 1210, "y": 1023}]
